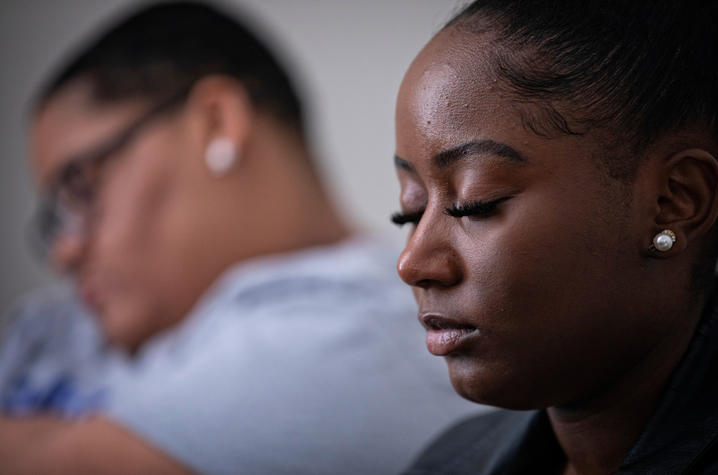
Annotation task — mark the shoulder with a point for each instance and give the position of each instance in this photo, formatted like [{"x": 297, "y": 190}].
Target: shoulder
[
  {"x": 318, "y": 288},
  {"x": 353, "y": 266},
  {"x": 311, "y": 343},
  {"x": 470, "y": 445}
]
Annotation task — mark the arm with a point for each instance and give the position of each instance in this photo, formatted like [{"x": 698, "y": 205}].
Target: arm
[{"x": 45, "y": 444}]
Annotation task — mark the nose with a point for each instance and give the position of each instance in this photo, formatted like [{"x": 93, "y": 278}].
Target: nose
[
  {"x": 67, "y": 251},
  {"x": 429, "y": 259}
]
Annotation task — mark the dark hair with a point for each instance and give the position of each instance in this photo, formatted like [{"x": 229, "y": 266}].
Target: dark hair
[
  {"x": 639, "y": 68},
  {"x": 167, "y": 47}
]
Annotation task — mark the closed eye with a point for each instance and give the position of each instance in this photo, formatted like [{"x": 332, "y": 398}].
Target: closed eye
[
  {"x": 401, "y": 219},
  {"x": 476, "y": 209}
]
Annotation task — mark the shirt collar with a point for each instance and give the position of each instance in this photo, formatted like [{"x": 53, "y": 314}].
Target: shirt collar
[{"x": 685, "y": 423}]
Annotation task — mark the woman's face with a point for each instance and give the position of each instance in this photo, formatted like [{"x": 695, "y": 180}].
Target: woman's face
[
  {"x": 522, "y": 254},
  {"x": 140, "y": 261}
]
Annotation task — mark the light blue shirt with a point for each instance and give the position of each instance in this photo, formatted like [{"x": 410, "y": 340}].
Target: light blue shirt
[{"x": 310, "y": 362}]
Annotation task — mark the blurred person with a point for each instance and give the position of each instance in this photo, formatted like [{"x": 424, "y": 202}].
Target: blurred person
[
  {"x": 557, "y": 162},
  {"x": 228, "y": 321}
]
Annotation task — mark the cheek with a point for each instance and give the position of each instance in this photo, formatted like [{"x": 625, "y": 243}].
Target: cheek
[
  {"x": 128, "y": 321},
  {"x": 129, "y": 239},
  {"x": 131, "y": 216},
  {"x": 132, "y": 249},
  {"x": 532, "y": 283},
  {"x": 541, "y": 261}
]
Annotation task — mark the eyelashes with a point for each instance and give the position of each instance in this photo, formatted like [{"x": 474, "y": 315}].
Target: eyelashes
[
  {"x": 473, "y": 209},
  {"x": 400, "y": 219},
  {"x": 477, "y": 209}
]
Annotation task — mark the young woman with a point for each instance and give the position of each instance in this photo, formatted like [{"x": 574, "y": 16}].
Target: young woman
[{"x": 558, "y": 169}]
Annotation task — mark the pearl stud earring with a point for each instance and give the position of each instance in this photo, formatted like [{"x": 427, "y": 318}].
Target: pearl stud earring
[
  {"x": 664, "y": 240},
  {"x": 220, "y": 156}
]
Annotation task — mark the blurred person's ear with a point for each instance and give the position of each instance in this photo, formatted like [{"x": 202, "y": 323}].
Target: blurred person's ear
[{"x": 221, "y": 116}]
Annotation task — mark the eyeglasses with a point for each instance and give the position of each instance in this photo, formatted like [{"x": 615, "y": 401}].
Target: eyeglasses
[{"x": 70, "y": 203}]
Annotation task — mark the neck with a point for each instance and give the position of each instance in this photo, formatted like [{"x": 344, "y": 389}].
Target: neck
[
  {"x": 596, "y": 434},
  {"x": 290, "y": 208}
]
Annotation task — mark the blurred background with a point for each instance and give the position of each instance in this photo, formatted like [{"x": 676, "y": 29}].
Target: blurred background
[{"x": 348, "y": 58}]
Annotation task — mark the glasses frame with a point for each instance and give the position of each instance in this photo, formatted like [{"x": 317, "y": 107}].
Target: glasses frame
[{"x": 52, "y": 218}]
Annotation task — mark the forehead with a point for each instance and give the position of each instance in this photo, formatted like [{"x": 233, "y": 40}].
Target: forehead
[
  {"x": 448, "y": 88},
  {"x": 452, "y": 95},
  {"x": 68, "y": 124}
]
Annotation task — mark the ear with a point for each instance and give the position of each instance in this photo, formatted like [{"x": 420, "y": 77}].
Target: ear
[
  {"x": 688, "y": 197},
  {"x": 222, "y": 118}
]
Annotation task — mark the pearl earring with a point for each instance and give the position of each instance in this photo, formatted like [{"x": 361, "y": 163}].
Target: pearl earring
[
  {"x": 221, "y": 155},
  {"x": 663, "y": 241}
]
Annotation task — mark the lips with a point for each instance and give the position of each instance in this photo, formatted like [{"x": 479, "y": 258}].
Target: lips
[{"x": 446, "y": 335}]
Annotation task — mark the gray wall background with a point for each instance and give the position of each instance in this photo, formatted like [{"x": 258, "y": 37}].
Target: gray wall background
[{"x": 349, "y": 57}]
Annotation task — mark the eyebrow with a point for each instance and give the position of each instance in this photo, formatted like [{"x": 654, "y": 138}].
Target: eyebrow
[{"x": 479, "y": 148}]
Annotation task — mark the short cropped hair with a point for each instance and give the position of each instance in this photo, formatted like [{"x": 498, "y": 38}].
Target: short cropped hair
[
  {"x": 166, "y": 47},
  {"x": 640, "y": 68}
]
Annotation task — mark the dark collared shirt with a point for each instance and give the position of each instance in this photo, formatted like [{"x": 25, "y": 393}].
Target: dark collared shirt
[{"x": 681, "y": 436}]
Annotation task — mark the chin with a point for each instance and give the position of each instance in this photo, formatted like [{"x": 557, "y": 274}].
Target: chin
[
  {"x": 491, "y": 386},
  {"x": 124, "y": 329}
]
